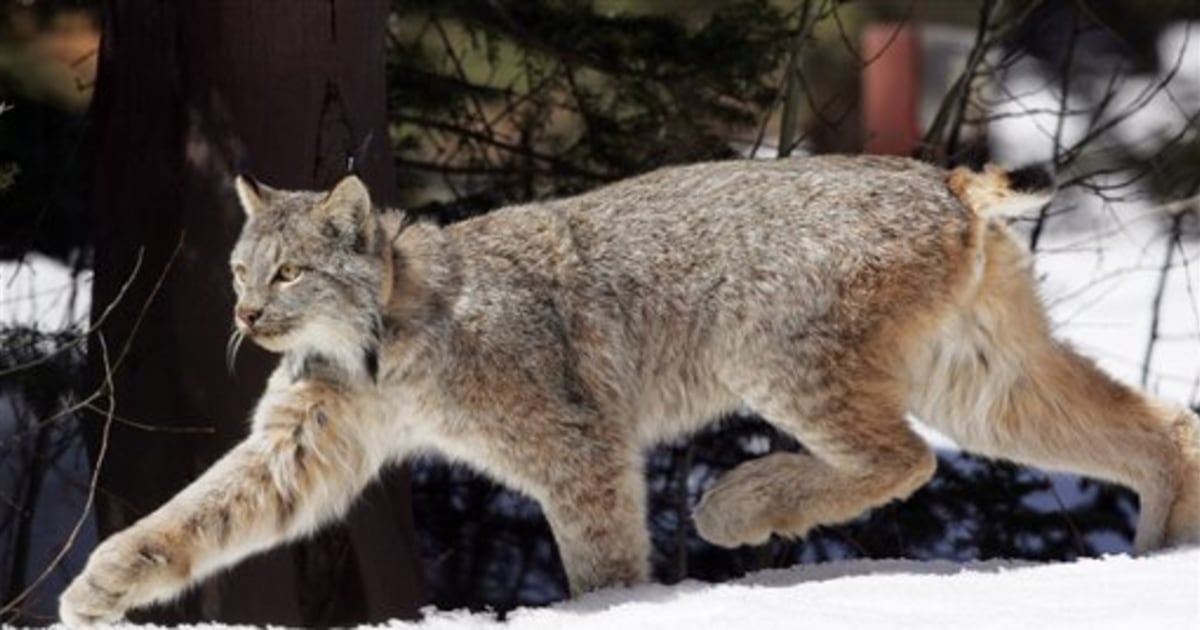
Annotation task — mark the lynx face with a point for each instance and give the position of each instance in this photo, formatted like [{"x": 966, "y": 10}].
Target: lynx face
[{"x": 307, "y": 271}]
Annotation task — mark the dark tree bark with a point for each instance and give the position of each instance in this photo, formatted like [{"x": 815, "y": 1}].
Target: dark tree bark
[{"x": 189, "y": 93}]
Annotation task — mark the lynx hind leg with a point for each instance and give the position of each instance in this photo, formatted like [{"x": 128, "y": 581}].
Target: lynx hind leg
[
  {"x": 996, "y": 382},
  {"x": 863, "y": 454}
]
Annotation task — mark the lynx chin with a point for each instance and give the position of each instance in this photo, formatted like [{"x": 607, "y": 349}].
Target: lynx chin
[{"x": 549, "y": 344}]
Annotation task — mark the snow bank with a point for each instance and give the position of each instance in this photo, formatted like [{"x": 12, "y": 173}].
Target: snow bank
[{"x": 1161, "y": 592}]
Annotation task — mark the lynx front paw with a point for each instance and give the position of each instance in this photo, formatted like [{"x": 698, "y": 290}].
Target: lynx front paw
[{"x": 123, "y": 572}]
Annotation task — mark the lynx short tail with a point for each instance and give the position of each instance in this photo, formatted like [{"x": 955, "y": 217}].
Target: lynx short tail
[{"x": 997, "y": 192}]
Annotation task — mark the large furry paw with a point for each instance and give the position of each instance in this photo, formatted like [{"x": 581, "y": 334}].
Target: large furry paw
[
  {"x": 719, "y": 521},
  {"x": 125, "y": 571},
  {"x": 731, "y": 514},
  {"x": 745, "y": 506}
]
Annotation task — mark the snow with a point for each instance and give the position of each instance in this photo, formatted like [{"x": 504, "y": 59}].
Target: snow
[
  {"x": 1119, "y": 592},
  {"x": 1100, "y": 289},
  {"x": 1025, "y": 121},
  {"x": 40, "y": 291},
  {"x": 1162, "y": 591}
]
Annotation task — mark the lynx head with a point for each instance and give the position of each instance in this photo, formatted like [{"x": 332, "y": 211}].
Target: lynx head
[{"x": 308, "y": 270}]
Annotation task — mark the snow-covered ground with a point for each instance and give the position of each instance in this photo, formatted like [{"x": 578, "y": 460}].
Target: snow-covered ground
[{"x": 1160, "y": 592}]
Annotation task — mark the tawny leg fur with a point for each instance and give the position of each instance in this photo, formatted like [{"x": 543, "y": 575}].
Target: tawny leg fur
[
  {"x": 586, "y": 474},
  {"x": 599, "y": 525},
  {"x": 998, "y": 384},
  {"x": 1056, "y": 410},
  {"x": 301, "y": 466},
  {"x": 863, "y": 454}
]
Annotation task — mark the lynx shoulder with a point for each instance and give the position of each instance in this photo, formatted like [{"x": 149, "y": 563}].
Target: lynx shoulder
[{"x": 549, "y": 344}]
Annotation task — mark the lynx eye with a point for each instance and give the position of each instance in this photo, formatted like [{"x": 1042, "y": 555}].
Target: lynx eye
[
  {"x": 239, "y": 272},
  {"x": 288, "y": 273}
]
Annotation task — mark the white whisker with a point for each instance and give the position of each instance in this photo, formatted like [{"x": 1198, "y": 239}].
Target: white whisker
[{"x": 231, "y": 349}]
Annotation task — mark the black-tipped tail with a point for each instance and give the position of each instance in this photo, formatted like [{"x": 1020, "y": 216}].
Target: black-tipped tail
[
  {"x": 1034, "y": 179},
  {"x": 997, "y": 192}
]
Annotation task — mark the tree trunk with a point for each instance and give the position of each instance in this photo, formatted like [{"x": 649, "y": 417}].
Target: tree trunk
[{"x": 189, "y": 93}]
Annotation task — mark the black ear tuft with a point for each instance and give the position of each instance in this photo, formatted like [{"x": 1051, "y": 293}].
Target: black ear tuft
[
  {"x": 1032, "y": 179},
  {"x": 355, "y": 160}
]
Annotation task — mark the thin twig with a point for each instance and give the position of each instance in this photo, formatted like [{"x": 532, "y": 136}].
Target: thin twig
[
  {"x": 12, "y": 605},
  {"x": 1159, "y": 292}
]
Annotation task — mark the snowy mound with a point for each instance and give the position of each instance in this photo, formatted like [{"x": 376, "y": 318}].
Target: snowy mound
[{"x": 1161, "y": 592}]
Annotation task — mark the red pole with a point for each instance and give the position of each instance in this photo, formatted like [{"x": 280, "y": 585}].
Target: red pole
[{"x": 891, "y": 85}]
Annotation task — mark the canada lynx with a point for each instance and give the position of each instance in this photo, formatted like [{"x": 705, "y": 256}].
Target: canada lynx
[{"x": 549, "y": 344}]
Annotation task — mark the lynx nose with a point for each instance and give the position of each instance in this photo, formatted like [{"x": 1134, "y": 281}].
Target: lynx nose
[{"x": 247, "y": 315}]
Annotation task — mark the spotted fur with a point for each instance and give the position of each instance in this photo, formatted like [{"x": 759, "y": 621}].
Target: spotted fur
[{"x": 549, "y": 344}]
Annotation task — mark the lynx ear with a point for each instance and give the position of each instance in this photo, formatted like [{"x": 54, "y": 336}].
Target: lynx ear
[
  {"x": 252, "y": 195},
  {"x": 348, "y": 209}
]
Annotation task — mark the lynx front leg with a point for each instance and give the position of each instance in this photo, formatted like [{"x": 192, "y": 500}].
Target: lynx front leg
[
  {"x": 304, "y": 462},
  {"x": 599, "y": 524},
  {"x": 589, "y": 482}
]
